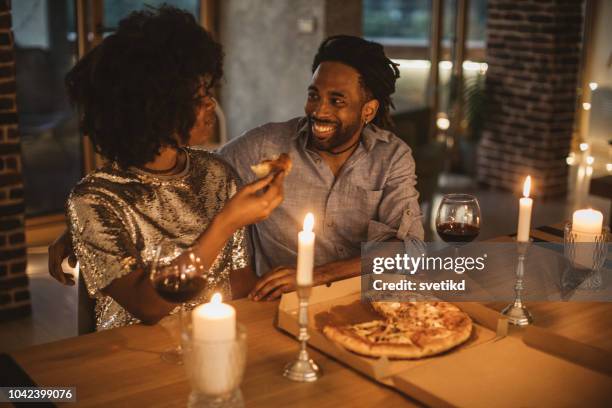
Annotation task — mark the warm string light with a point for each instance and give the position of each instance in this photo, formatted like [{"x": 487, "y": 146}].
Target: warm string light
[{"x": 443, "y": 123}]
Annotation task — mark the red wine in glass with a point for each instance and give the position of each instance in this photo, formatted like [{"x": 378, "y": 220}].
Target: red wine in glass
[
  {"x": 180, "y": 281},
  {"x": 458, "y": 218},
  {"x": 179, "y": 289},
  {"x": 457, "y": 232}
]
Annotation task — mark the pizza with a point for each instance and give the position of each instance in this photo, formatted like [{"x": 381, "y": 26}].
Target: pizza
[
  {"x": 282, "y": 162},
  {"x": 406, "y": 330}
]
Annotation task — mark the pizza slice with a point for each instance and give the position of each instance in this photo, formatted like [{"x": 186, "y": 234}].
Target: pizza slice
[{"x": 282, "y": 162}]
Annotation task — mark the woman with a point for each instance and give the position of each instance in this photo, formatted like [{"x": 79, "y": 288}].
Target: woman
[{"x": 143, "y": 94}]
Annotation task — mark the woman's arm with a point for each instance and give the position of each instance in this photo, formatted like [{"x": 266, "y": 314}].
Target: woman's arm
[{"x": 134, "y": 291}]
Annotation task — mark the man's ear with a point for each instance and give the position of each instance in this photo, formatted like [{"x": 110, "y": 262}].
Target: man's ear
[{"x": 368, "y": 112}]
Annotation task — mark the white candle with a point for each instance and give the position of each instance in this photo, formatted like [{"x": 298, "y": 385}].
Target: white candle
[
  {"x": 210, "y": 360},
  {"x": 214, "y": 321},
  {"x": 586, "y": 224},
  {"x": 587, "y": 221},
  {"x": 524, "y": 220},
  {"x": 305, "y": 259}
]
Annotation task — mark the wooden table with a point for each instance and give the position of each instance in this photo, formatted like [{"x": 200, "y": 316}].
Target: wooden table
[
  {"x": 122, "y": 367},
  {"x": 587, "y": 322}
]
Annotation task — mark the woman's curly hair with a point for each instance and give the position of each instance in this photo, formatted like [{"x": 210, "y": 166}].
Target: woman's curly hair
[{"x": 141, "y": 88}]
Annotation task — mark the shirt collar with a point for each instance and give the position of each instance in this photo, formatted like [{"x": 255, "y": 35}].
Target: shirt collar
[{"x": 371, "y": 134}]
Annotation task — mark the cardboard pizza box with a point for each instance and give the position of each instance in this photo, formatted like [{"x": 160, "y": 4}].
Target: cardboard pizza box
[
  {"x": 491, "y": 369},
  {"x": 342, "y": 300},
  {"x": 505, "y": 373}
]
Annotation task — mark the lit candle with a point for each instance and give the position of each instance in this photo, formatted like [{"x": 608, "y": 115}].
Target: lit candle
[
  {"x": 587, "y": 221},
  {"x": 525, "y": 205},
  {"x": 305, "y": 259},
  {"x": 210, "y": 357},
  {"x": 586, "y": 224},
  {"x": 214, "y": 321}
]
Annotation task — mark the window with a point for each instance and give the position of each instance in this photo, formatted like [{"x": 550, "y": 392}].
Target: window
[
  {"x": 45, "y": 50},
  {"x": 404, "y": 26}
]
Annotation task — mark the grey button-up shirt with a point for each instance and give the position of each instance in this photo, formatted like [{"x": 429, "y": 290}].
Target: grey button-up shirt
[{"x": 373, "y": 197}]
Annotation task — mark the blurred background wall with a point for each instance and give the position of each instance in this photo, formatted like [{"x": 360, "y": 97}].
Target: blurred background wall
[{"x": 269, "y": 46}]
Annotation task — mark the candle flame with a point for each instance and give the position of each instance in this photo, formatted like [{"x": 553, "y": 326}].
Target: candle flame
[
  {"x": 308, "y": 222},
  {"x": 527, "y": 186},
  {"x": 216, "y": 299}
]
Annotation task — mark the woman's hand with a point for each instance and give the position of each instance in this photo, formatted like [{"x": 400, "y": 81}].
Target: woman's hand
[
  {"x": 249, "y": 207},
  {"x": 59, "y": 250}
]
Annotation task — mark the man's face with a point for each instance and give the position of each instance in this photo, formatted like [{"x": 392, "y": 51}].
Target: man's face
[{"x": 334, "y": 106}]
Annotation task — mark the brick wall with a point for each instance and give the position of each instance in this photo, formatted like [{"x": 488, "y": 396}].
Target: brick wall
[
  {"x": 533, "y": 53},
  {"x": 14, "y": 293}
]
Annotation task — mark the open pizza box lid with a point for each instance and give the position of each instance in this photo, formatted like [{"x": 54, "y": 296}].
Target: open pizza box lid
[{"x": 542, "y": 369}]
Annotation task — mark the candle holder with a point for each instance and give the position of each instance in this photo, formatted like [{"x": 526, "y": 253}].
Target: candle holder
[
  {"x": 214, "y": 368},
  {"x": 586, "y": 252},
  {"x": 303, "y": 369},
  {"x": 517, "y": 312}
]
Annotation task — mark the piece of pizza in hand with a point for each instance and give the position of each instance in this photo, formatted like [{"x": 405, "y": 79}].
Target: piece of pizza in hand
[{"x": 282, "y": 162}]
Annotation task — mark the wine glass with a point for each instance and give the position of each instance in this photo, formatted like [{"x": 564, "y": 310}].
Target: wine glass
[
  {"x": 180, "y": 281},
  {"x": 458, "y": 219}
]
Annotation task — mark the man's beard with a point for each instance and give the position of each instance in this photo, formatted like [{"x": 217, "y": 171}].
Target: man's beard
[{"x": 342, "y": 135}]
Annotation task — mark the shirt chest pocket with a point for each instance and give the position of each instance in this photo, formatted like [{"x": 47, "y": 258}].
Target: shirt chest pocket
[{"x": 358, "y": 204}]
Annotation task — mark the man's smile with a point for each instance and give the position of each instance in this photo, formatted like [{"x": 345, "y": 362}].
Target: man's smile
[{"x": 323, "y": 130}]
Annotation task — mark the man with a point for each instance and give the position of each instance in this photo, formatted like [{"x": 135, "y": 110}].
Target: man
[{"x": 356, "y": 178}]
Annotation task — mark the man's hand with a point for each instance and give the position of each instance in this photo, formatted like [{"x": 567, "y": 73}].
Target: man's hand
[
  {"x": 272, "y": 285},
  {"x": 59, "y": 250},
  {"x": 282, "y": 279}
]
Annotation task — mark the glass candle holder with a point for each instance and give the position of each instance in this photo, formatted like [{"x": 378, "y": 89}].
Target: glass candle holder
[
  {"x": 215, "y": 368},
  {"x": 586, "y": 252}
]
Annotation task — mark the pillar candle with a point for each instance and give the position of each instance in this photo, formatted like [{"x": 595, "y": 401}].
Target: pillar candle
[
  {"x": 587, "y": 221},
  {"x": 214, "y": 321},
  {"x": 524, "y": 220},
  {"x": 586, "y": 224},
  {"x": 305, "y": 260},
  {"x": 210, "y": 361}
]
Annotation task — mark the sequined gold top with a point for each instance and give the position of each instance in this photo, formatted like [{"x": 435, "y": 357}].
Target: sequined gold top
[{"x": 118, "y": 218}]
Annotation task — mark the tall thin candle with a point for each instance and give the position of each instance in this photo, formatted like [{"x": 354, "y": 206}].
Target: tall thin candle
[
  {"x": 306, "y": 239},
  {"x": 524, "y": 220}
]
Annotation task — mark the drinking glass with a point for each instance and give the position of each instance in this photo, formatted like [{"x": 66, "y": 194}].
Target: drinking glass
[
  {"x": 181, "y": 281},
  {"x": 214, "y": 368},
  {"x": 458, "y": 219}
]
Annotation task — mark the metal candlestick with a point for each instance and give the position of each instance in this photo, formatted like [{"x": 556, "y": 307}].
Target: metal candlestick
[
  {"x": 303, "y": 369},
  {"x": 517, "y": 312}
]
